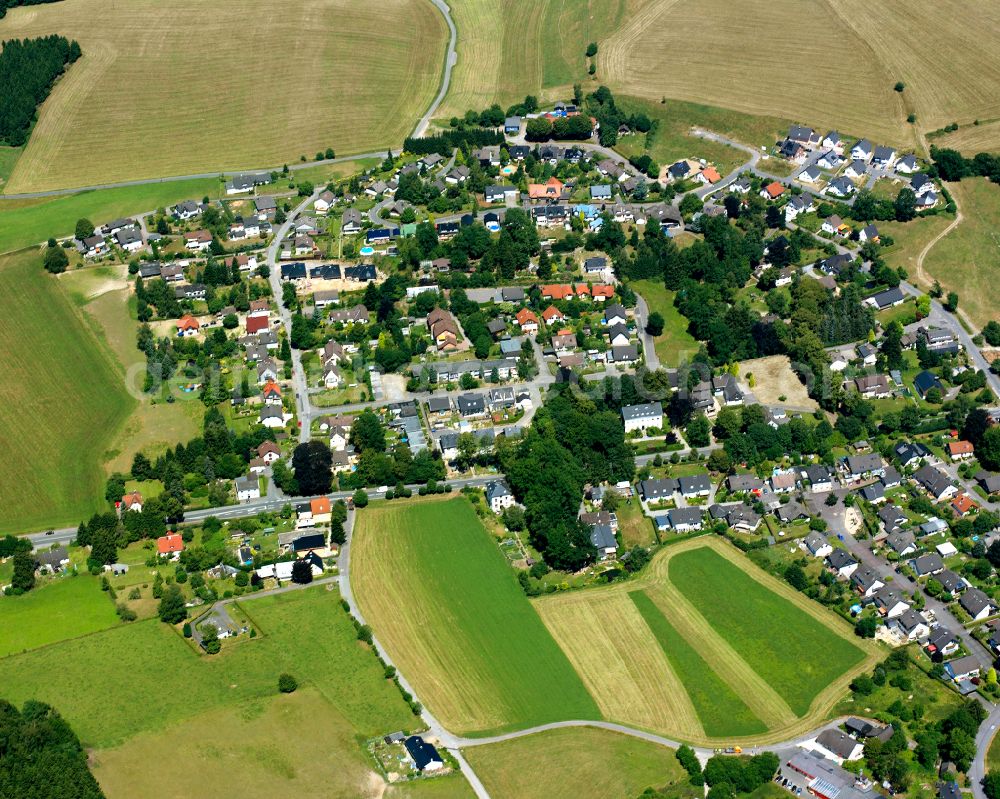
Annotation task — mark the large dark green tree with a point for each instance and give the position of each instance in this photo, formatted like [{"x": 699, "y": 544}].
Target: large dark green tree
[{"x": 312, "y": 462}]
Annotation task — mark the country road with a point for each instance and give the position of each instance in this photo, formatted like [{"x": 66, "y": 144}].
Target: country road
[{"x": 451, "y": 57}]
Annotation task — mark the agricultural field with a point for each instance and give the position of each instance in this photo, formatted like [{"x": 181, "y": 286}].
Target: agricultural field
[
  {"x": 351, "y": 76},
  {"x": 55, "y": 369},
  {"x": 560, "y": 764},
  {"x": 760, "y": 624},
  {"x": 62, "y": 608},
  {"x": 24, "y": 223},
  {"x": 865, "y": 49},
  {"x": 675, "y": 345},
  {"x": 508, "y": 49},
  {"x": 229, "y": 712},
  {"x": 967, "y": 260},
  {"x": 910, "y": 238},
  {"x": 970, "y": 139},
  {"x": 441, "y": 598},
  {"x": 680, "y": 650}
]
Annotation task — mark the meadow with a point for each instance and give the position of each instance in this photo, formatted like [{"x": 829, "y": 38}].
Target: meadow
[
  {"x": 655, "y": 655},
  {"x": 967, "y": 260},
  {"x": 675, "y": 345},
  {"x": 508, "y": 49},
  {"x": 441, "y": 598},
  {"x": 55, "y": 369},
  {"x": 24, "y": 223},
  {"x": 719, "y": 707},
  {"x": 798, "y": 653},
  {"x": 62, "y": 608},
  {"x": 205, "y": 94},
  {"x": 561, "y": 764}
]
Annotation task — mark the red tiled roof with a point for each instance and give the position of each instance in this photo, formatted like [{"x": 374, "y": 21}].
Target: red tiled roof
[
  {"x": 257, "y": 323},
  {"x": 170, "y": 543}
]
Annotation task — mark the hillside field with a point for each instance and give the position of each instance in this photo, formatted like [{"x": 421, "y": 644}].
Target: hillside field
[
  {"x": 704, "y": 52},
  {"x": 967, "y": 260},
  {"x": 64, "y": 608},
  {"x": 667, "y": 652},
  {"x": 56, "y": 369},
  {"x": 442, "y": 600},
  {"x": 509, "y": 48},
  {"x": 560, "y": 764},
  {"x": 136, "y": 690},
  {"x": 195, "y": 92},
  {"x": 675, "y": 345}
]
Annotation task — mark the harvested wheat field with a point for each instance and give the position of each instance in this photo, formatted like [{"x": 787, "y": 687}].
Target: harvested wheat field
[
  {"x": 510, "y": 48},
  {"x": 712, "y": 52},
  {"x": 183, "y": 87},
  {"x": 716, "y": 648}
]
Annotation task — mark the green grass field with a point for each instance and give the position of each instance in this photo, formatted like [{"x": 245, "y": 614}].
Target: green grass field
[
  {"x": 563, "y": 764},
  {"x": 719, "y": 708},
  {"x": 673, "y": 141},
  {"x": 974, "y": 246},
  {"x": 443, "y": 601},
  {"x": 143, "y": 677},
  {"x": 55, "y": 370},
  {"x": 206, "y": 94},
  {"x": 759, "y": 625},
  {"x": 62, "y": 608},
  {"x": 675, "y": 344},
  {"x": 27, "y": 222}
]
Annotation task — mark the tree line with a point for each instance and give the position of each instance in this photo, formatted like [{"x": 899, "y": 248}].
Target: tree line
[
  {"x": 5, "y": 4},
  {"x": 28, "y": 68},
  {"x": 951, "y": 165}
]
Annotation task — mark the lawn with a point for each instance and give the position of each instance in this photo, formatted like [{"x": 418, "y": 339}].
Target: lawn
[
  {"x": 120, "y": 673},
  {"x": 561, "y": 764},
  {"x": 351, "y": 76},
  {"x": 443, "y": 601},
  {"x": 60, "y": 608},
  {"x": 719, "y": 708},
  {"x": 256, "y": 752},
  {"x": 675, "y": 345},
  {"x": 55, "y": 369},
  {"x": 507, "y": 50},
  {"x": 798, "y": 655},
  {"x": 27, "y": 222},
  {"x": 967, "y": 260}
]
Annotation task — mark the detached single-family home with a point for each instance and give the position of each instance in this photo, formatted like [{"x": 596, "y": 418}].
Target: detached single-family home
[
  {"x": 886, "y": 299},
  {"x": 910, "y": 625},
  {"x": 603, "y": 539},
  {"x": 942, "y": 641},
  {"x": 936, "y": 483},
  {"x": 247, "y": 488},
  {"x": 925, "y": 381},
  {"x": 170, "y": 545},
  {"x": 963, "y": 668},
  {"x": 927, "y": 564},
  {"x": 862, "y": 150},
  {"x": 866, "y": 581},
  {"x": 817, "y": 545},
  {"x": 840, "y": 187},
  {"x": 772, "y": 191},
  {"x": 890, "y": 602},
  {"x": 977, "y": 604},
  {"x": 424, "y": 756},
  {"x": 841, "y": 563},
  {"x": 198, "y": 240},
  {"x": 684, "y": 520},
  {"x": 498, "y": 496}
]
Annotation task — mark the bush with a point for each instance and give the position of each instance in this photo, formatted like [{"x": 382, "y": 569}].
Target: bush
[{"x": 287, "y": 683}]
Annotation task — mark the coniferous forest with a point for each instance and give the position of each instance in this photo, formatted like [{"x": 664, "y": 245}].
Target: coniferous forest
[{"x": 28, "y": 69}]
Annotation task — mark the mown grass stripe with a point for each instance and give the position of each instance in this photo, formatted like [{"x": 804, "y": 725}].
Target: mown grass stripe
[
  {"x": 779, "y": 640},
  {"x": 720, "y": 709}
]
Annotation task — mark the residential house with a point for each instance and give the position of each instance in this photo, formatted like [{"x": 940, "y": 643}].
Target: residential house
[
  {"x": 866, "y": 581},
  {"x": 187, "y": 325},
  {"x": 892, "y": 518},
  {"x": 840, "y": 187},
  {"x": 902, "y": 543},
  {"x": 694, "y": 486},
  {"x": 498, "y": 496},
  {"x": 841, "y": 563},
  {"x": 424, "y": 756},
  {"x": 925, "y": 381},
  {"x": 838, "y": 746},
  {"x": 862, "y": 150},
  {"x": 977, "y": 604},
  {"x": 963, "y": 668},
  {"x": 247, "y": 488},
  {"x": 500, "y": 194},
  {"x": 269, "y": 452},
  {"x": 928, "y": 564},
  {"x": 907, "y": 164},
  {"x": 910, "y": 625},
  {"x": 936, "y": 483},
  {"x": 858, "y": 467},
  {"x": 615, "y": 315},
  {"x": 886, "y": 299},
  {"x": 868, "y": 233},
  {"x": 271, "y": 416},
  {"x": 170, "y": 545},
  {"x": 642, "y": 417},
  {"x": 817, "y": 545},
  {"x": 942, "y": 641},
  {"x": 657, "y": 489},
  {"x": 603, "y": 539},
  {"x": 772, "y": 191},
  {"x": 198, "y": 240},
  {"x": 527, "y": 321},
  {"x": 132, "y": 501},
  {"x": 911, "y": 453},
  {"x": 820, "y": 478},
  {"x": 890, "y": 602}
]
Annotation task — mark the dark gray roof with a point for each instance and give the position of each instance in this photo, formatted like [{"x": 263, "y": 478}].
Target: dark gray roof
[
  {"x": 697, "y": 483},
  {"x": 649, "y": 410}
]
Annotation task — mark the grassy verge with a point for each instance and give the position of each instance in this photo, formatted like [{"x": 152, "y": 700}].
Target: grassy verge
[{"x": 675, "y": 344}]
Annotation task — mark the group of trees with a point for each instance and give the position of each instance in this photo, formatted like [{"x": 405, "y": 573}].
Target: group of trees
[
  {"x": 28, "y": 68},
  {"x": 573, "y": 440},
  {"x": 728, "y": 776},
  {"x": 40, "y": 755},
  {"x": 951, "y": 165}
]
